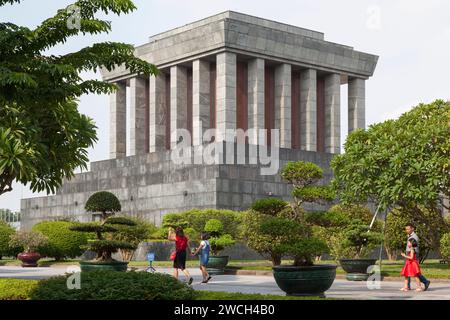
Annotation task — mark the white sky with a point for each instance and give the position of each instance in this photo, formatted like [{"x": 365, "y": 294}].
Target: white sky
[{"x": 412, "y": 38}]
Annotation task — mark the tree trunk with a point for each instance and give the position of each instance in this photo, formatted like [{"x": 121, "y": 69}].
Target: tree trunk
[{"x": 276, "y": 259}]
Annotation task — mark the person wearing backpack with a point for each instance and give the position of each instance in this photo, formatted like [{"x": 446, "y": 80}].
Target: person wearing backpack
[{"x": 203, "y": 252}]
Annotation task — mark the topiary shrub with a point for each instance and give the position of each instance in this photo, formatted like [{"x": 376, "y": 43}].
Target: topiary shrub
[
  {"x": 194, "y": 221},
  {"x": 445, "y": 247},
  {"x": 134, "y": 234},
  {"x": 110, "y": 285},
  {"x": 269, "y": 206},
  {"x": 6, "y": 231},
  {"x": 218, "y": 239},
  {"x": 62, "y": 242},
  {"x": 345, "y": 229},
  {"x": 104, "y": 202},
  {"x": 105, "y": 245}
]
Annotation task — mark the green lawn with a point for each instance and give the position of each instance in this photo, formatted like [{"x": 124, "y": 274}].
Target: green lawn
[{"x": 431, "y": 268}]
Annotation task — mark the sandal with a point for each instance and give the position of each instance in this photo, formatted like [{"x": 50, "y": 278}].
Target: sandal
[
  {"x": 404, "y": 289},
  {"x": 419, "y": 289}
]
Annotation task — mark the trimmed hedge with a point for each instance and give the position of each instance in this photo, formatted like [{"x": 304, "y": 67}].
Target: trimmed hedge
[
  {"x": 6, "y": 231},
  {"x": 15, "y": 289},
  {"x": 62, "y": 242},
  {"x": 112, "y": 285},
  {"x": 194, "y": 221},
  {"x": 103, "y": 201}
]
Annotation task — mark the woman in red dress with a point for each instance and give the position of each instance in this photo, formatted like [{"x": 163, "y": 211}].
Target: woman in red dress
[{"x": 411, "y": 268}]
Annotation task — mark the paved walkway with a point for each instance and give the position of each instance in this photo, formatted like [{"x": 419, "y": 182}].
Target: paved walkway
[{"x": 266, "y": 285}]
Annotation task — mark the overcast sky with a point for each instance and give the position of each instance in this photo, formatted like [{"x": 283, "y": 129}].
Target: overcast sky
[{"x": 412, "y": 38}]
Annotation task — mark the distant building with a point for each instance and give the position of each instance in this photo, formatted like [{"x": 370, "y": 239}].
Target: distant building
[{"x": 226, "y": 72}]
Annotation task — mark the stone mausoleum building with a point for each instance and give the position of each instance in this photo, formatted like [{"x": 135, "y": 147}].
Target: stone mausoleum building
[{"x": 228, "y": 71}]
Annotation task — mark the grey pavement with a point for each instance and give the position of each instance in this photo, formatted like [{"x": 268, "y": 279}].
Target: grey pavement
[{"x": 266, "y": 284}]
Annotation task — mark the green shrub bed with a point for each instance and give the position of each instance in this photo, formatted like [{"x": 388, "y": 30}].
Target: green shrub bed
[
  {"x": 111, "y": 285},
  {"x": 15, "y": 289}
]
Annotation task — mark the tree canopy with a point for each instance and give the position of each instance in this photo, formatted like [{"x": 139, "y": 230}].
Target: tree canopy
[
  {"x": 403, "y": 162},
  {"x": 43, "y": 137}
]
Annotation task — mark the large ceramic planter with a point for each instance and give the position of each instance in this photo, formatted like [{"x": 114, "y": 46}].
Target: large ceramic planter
[
  {"x": 29, "y": 259},
  {"x": 87, "y": 266},
  {"x": 305, "y": 281},
  {"x": 357, "y": 268},
  {"x": 217, "y": 264}
]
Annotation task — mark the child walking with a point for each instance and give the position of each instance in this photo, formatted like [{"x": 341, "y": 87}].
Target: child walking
[
  {"x": 204, "y": 249},
  {"x": 411, "y": 268}
]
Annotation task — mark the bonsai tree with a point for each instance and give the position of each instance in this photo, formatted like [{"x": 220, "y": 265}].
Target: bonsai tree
[
  {"x": 263, "y": 242},
  {"x": 276, "y": 229},
  {"x": 292, "y": 240},
  {"x": 304, "y": 178},
  {"x": 345, "y": 229},
  {"x": 106, "y": 203},
  {"x": 218, "y": 240},
  {"x": 133, "y": 234},
  {"x": 358, "y": 242},
  {"x": 30, "y": 241}
]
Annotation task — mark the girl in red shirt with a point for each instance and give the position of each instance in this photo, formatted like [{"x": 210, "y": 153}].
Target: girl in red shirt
[{"x": 181, "y": 245}]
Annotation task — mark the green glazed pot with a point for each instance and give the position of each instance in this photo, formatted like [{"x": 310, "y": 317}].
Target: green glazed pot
[
  {"x": 87, "y": 266},
  {"x": 304, "y": 281},
  {"x": 217, "y": 264},
  {"x": 357, "y": 268}
]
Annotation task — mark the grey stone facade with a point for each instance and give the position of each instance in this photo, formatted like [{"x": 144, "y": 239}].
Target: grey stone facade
[
  {"x": 150, "y": 185},
  {"x": 201, "y": 65}
]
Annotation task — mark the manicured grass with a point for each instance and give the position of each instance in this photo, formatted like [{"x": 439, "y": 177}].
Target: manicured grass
[
  {"x": 213, "y": 295},
  {"x": 15, "y": 289}
]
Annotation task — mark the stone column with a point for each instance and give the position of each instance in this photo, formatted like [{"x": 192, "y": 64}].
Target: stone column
[
  {"x": 283, "y": 104},
  {"x": 118, "y": 122},
  {"x": 225, "y": 93},
  {"x": 138, "y": 108},
  {"x": 356, "y": 104},
  {"x": 178, "y": 102},
  {"x": 158, "y": 113},
  {"x": 333, "y": 113},
  {"x": 308, "y": 110},
  {"x": 255, "y": 98},
  {"x": 200, "y": 100}
]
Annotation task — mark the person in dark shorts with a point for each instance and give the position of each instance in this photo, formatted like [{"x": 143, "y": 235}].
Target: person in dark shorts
[
  {"x": 181, "y": 245},
  {"x": 203, "y": 252}
]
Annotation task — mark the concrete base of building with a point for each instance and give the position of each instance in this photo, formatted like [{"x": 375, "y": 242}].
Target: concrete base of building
[{"x": 152, "y": 184}]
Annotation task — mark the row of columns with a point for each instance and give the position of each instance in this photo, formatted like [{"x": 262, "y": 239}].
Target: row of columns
[{"x": 160, "y": 102}]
